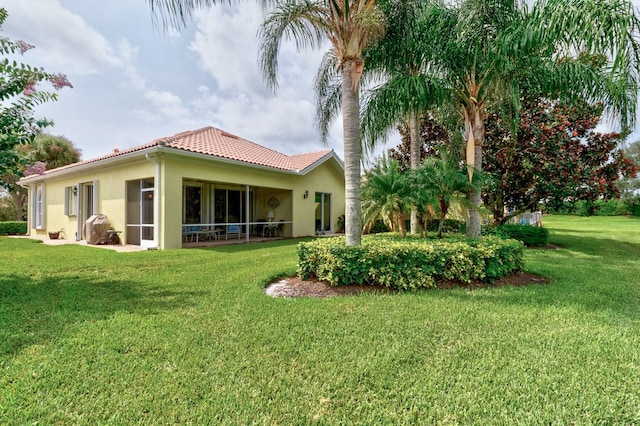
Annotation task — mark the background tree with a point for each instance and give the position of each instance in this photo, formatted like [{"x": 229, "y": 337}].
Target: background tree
[
  {"x": 350, "y": 25},
  {"x": 434, "y": 141},
  {"x": 556, "y": 155},
  {"x": 44, "y": 152},
  {"x": 54, "y": 151},
  {"x": 630, "y": 186}
]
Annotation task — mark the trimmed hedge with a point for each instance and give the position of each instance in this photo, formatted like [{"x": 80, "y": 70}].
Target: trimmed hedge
[
  {"x": 13, "y": 228},
  {"x": 408, "y": 264},
  {"x": 531, "y": 236}
]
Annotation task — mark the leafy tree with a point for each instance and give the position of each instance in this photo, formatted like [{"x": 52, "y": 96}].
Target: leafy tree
[
  {"x": 487, "y": 51},
  {"x": 44, "y": 152},
  {"x": 19, "y": 95},
  {"x": 350, "y": 25},
  {"x": 630, "y": 186},
  {"x": 556, "y": 155}
]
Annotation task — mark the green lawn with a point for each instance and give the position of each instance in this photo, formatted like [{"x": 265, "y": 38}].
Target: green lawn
[{"x": 91, "y": 336}]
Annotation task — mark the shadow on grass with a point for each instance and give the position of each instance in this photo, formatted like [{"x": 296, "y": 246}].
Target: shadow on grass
[
  {"x": 37, "y": 311},
  {"x": 240, "y": 248},
  {"x": 605, "y": 247}
]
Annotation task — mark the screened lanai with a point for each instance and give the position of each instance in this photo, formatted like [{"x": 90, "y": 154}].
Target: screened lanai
[{"x": 216, "y": 211}]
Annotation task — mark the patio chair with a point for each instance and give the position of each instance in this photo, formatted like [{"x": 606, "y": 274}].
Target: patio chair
[
  {"x": 191, "y": 233},
  {"x": 232, "y": 229}
]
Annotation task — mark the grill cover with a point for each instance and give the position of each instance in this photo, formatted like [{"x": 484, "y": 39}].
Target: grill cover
[{"x": 95, "y": 229}]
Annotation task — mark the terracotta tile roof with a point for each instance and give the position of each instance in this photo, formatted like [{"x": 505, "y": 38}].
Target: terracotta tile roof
[{"x": 218, "y": 143}]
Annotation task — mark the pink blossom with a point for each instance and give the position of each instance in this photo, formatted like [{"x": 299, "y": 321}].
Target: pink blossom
[
  {"x": 38, "y": 168},
  {"x": 23, "y": 46},
  {"x": 29, "y": 89},
  {"x": 60, "y": 80}
]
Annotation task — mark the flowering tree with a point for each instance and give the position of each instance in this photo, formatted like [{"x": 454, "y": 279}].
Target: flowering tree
[
  {"x": 19, "y": 95},
  {"x": 557, "y": 155}
]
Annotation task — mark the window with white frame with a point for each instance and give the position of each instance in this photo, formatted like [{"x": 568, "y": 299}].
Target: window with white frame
[
  {"x": 71, "y": 200},
  {"x": 38, "y": 207}
]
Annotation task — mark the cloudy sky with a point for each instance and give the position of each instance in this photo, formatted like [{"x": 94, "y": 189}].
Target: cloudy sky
[{"x": 134, "y": 83}]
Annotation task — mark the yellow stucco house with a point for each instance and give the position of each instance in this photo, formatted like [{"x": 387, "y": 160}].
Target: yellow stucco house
[{"x": 201, "y": 184}]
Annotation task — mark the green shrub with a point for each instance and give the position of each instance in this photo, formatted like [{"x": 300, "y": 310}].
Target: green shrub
[
  {"x": 610, "y": 207},
  {"x": 531, "y": 236},
  {"x": 13, "y": 228},
  {"x": 633, "y": 205},
  {"x": 408, "y": 263}
]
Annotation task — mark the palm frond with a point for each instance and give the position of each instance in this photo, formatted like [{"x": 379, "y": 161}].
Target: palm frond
[
  {"x": 384, "y": 106},
  {"x": 328, "y": 90},
  {"x": 304, "y": 22}
]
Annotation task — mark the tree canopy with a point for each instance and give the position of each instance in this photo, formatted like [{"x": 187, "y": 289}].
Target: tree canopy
[
  {"x": 19, "y": 96},
  {"x": 556, "y": 155}
]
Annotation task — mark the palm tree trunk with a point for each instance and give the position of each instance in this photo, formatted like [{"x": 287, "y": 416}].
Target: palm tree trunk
[
  {"x": 403, "y": 230},
  {"x": 352, "y": 154},
  {"x": 474, "y": 125},
  {"x": 444, "y": 209},
  {"x": 414, "y": 132}
]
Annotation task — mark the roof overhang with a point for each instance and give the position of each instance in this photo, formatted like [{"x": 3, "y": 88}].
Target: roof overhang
[{"x": 160, "y": 149}]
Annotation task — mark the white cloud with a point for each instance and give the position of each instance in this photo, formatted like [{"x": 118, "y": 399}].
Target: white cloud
[
  {"x": 63, "y": 40},
  {"x": 133, "y": 84},
  {"x": 226, "y": 46}
]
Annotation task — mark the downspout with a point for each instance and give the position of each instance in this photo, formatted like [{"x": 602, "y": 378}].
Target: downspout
[
  {"x": 156, "y": 201},
  {"x": 246, "y": 213},
  {"x": 28, "y": 188}
]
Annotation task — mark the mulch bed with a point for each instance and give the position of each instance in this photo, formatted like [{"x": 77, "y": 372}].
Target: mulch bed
[{"x": 296, "y": 287}]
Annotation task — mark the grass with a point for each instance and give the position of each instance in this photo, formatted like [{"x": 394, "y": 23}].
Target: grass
[{"x": 91, "y": 336}]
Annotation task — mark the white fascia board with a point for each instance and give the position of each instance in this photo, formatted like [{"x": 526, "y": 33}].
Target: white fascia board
[{"x": 323, "y": 160}]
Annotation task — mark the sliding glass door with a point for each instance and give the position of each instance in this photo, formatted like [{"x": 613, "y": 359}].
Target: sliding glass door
[{"x": 140, "y": 212}]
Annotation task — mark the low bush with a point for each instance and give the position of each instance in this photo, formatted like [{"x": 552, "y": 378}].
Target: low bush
[
  {"x": 13, "y": 228},
  {"x": 531, "y": 236},
  {"x": 613, "y": 207},
  {"x": 408, "y": 263},
  {"x": 632, "y": 205}
]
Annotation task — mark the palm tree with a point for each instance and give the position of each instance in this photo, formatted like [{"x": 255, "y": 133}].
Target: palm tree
[
  {"x": 495, "y": 47},
  {"x": 54, "y": 151},
  {"x": 485, "y": 51},
  {"x": 409, "y": 90},
  {"x": 443, "y": 180},
  {"x": 350, "y": 25},
  {"x": 387, "y": 193}
]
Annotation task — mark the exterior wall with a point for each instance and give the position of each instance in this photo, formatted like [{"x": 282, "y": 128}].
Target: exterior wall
[
  {"x": 111, "y": 193},
  {"x": 328, "y": 177},
  {"x": 173, "y": 170}
]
